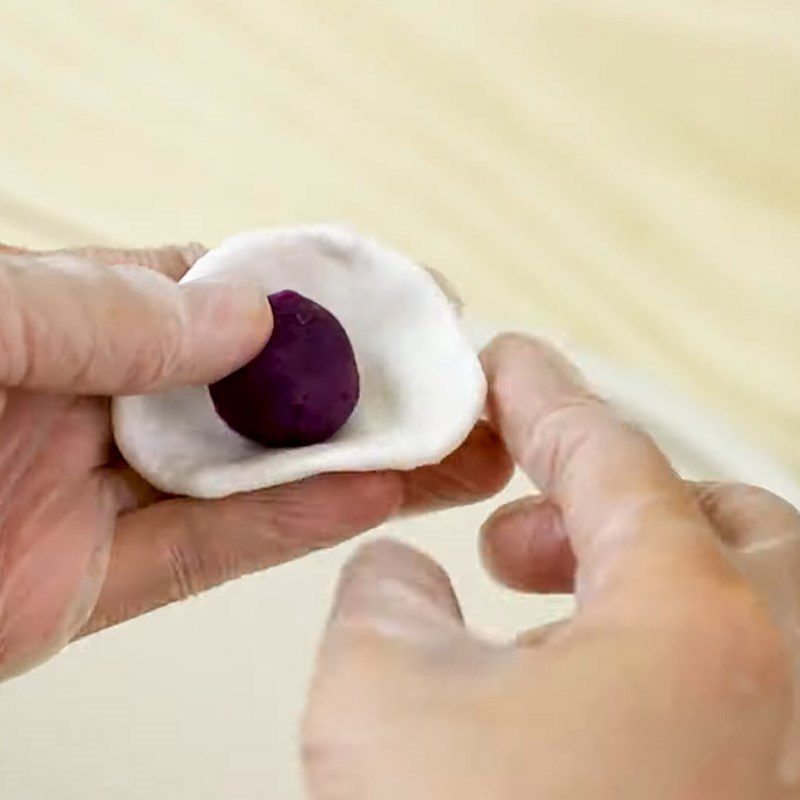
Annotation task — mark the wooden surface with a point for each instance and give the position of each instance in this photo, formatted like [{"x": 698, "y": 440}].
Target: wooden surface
[{"x": 625, "y": 172}]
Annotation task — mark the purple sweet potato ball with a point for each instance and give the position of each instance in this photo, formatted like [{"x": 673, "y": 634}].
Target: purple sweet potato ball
[{"x": 301, "y": 388}]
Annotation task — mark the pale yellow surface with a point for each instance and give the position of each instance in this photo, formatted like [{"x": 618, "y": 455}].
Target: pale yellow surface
[{"x": 626, "y": 172}]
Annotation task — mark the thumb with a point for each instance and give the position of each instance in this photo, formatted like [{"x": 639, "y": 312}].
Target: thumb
[
  {"x": 384, "y": 660},
  {"x": 391, "y": 591},
  {"x": 71, "y": 325}
]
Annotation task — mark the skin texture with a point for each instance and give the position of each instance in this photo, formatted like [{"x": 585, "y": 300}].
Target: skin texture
[
  {"x": 84, "y": 542},
  {"x": 675, "y": 679}
]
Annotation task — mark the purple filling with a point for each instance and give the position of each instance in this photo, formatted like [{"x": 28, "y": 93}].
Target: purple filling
[{"x": 301, "y": 388}]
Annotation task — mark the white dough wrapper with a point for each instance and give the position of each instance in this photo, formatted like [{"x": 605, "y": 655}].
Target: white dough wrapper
[{"x": 422, "y": 386}]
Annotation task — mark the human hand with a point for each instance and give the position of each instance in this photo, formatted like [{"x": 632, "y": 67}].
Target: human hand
[
  {"x": 84, "y": 541},
  {"x": 673, "y": 681}
]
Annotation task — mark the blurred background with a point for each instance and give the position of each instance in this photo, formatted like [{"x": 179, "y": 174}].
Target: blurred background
[{"x": 622, "y": 173}]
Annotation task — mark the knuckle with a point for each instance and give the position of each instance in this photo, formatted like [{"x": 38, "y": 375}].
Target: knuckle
[
  {"x": 742, "y": 497},
  {"x": 16, "y": 332},
  {"x": 161, "y": 342},
  {"x": 166, "y": 352},
  {"x": 725, "y": 640},
  {"x": 173, "y": 338},
  {"x": 564, "y": 431},
  {"x": 171, "y": 261},
  {"x": 186, "y": 570},
  {"x": 320, "y": 728},
  {"x": 355, "y": 680},
  {"x": 326, "y": 763}
]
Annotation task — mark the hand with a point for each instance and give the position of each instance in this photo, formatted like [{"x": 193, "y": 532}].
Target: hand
[
  {"x": 84, "y": 541},
  {"x": 671, "y": 682}
]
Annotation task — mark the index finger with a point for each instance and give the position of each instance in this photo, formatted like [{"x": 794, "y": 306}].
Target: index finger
[
  {"x": 172, "y": 261},
  {"x": 622, "y": 504},
  {"x": 101, "y": 325}
]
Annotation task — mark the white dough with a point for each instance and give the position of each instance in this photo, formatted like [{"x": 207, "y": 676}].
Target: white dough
[{"x": 422, "y": 387}]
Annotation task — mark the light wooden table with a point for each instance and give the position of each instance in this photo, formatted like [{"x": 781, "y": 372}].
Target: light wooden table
[
  {"x": 626, "y": 172},
  {"x": 623, "y": 172}
]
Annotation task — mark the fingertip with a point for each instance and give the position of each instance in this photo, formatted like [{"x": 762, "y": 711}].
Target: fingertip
[
  {"x": 524, "y": 547},
  {"x": 388, "y": 580},
  {"x": 512, "y": 344},
  {"x": 384, "y": 557},
  {"x": 477, "y": 470},
  {"x": 517, "y": 364},
  {"x": 497, "y": 465},
  {"x": 229, "y": 323}
]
